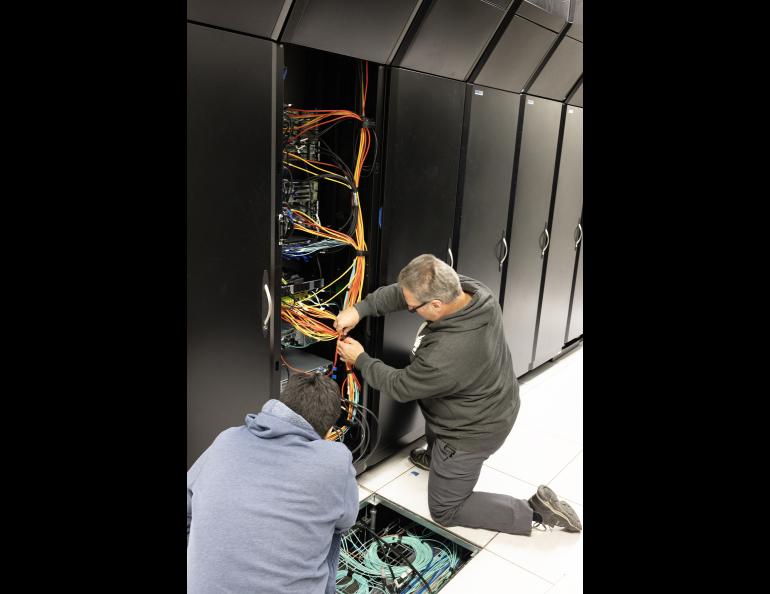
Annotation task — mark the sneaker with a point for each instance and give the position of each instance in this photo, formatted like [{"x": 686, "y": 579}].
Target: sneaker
[
  {"x": 420, "y": 457},
  {"x": 555, "y": 512}
]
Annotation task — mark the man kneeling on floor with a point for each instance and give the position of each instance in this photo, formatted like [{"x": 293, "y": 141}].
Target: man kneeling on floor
[
  {"x": 267, "y": 501},
  {"x": 461, "y": 375}
]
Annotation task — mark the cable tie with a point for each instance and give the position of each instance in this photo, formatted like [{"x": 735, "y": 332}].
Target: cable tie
[{"x": 363, "y": 253}]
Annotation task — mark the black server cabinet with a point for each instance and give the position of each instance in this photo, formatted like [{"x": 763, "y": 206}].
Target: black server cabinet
[
  {"x": 490, "y": 146},
  {"x": 451, "y": 36},
  {"x": 315, "y": 79},
  {"x": 516, "y": 56},
  {"x": 575, "y": 324},
  {"x": 367, "y": 29},
  {"x": 576, "y": 30},
  {"x": 256, "y": 17},
  {"x": 422, "y": 156},
  {"x": 548, "y": 13},
  {"x": 231, "y": 176},
  {"x": 529, "y": 230},
  {"x": 561, "y": 72},
  {"x": 565, "y": 240},
  {"x": 577, "y": 96}
]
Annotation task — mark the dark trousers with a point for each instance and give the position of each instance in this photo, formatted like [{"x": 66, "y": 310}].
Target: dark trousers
[{"x": 452, "y": 500}]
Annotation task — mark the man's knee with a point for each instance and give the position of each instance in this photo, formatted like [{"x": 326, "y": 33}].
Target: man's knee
[{"x": 442, "y": 513}]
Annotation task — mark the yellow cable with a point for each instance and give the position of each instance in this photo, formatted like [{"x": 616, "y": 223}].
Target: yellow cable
[
  {"x": 338, "y": 292},
  {"x": 328, "y": 284},
  {"x": 311, "y": 164},
  {"x": 336, "y": 181}
]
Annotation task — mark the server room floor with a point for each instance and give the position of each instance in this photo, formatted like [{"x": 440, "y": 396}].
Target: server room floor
[{"x": 545, "y": 447}]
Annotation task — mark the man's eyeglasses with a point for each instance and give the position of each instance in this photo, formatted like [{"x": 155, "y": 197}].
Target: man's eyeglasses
[{"x": 416, "y": 307}]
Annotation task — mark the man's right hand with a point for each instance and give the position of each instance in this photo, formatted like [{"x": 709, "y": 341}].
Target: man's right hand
[{"x": 346, "y": 320}]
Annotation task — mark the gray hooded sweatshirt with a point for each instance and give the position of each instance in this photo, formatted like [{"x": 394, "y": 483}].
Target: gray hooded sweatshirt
[
  {"x": 461, "y": 371},
  {"x": 266, "y": 503}
]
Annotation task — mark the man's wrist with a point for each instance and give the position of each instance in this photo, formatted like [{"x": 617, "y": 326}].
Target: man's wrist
[
  {"x": 362, "y": 309},
  {"x": 361, "y": 360}
]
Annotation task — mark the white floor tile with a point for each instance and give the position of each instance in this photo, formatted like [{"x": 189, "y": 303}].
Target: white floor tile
[
  {"x": 568, "y": 484},
  {"x": 571, "y": 363},
  {"x": 363, "y": 493},
  {"x": 561, "y": 385},
  {"x": 410, "y": 490},
  {"x": 555, "y": 404},
  {"x": 487, "y": 572},
  {"x": 534, "y": 408},
  {"x": 565, "y": 420},
  {"x": 572, "y": 583},
  {"x": 495, "y": 481},
  {"x": 572, "y": 360},
  {"x": 535, "y": 378},
  {"x": 533, "y": 456},
  {"x": 387, "y": 470},
  {"x": 550, "y": 555}
]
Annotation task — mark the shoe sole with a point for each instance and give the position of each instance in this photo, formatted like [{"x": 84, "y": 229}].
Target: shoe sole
[
  {"x": 562, "y": 509},
  {"x": 418, "y": 464}
]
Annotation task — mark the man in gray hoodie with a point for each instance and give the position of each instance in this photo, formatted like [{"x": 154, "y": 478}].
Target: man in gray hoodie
[
  {"x": 461, "y": 375},
  {"x": 267, "y": 501}
]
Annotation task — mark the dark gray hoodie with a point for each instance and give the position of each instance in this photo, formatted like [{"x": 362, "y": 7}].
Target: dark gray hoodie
[
  {"x": 461, "y": 371},
  {"x": 266, "y": 503}
]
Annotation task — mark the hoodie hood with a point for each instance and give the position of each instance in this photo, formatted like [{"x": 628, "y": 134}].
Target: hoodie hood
[
  {"x": 477, "y": 313},
  {"x": 277, "y": 420}
]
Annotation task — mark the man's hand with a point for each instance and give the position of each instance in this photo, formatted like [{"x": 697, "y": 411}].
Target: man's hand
[
  {"x": 349, "y": 349},
  {"x": 346, "y": 321}
]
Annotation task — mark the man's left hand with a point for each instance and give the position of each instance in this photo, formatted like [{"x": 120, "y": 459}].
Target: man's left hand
[{"x": 349, "y": 350}]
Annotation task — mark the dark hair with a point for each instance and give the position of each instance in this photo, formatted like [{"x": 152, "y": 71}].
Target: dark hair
[{"x": 314, "y": 397}]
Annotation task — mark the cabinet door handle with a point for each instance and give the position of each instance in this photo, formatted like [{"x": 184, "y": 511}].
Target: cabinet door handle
[
  {"x": 577, "y": 243},
  {"x": 269, "y": 308},
  {"x": 451, "y": 258},
  {"x": 505, "y": 255},
  {"x": 547, "y": 241}
]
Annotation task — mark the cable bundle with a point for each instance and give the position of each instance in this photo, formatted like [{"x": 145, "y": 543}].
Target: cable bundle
[
  {"x": 366, "y": 560},
  {"x": 302, "y": 128},
  {"x": 305, "y": 250}
]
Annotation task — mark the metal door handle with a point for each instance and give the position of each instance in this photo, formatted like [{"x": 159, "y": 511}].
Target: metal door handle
[
  {"x": 269, "y": 308},
  {"x": 505, "y": 245},
  {"x": 577, "y": 243},
  {"x": 547, "y": 241},
  {"x": 451, "y": 258}
]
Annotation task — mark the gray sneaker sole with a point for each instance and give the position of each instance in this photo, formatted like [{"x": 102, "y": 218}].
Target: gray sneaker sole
[{"x": 562, "y": 509}]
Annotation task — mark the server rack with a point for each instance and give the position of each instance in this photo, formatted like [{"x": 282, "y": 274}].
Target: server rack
[{"x": 430, "y": 189}]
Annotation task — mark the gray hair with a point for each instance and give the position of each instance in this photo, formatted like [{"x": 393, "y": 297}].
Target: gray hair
[{"x": 429, "y": 278}]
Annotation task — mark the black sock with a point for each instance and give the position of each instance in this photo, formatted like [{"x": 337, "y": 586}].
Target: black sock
[{"x": 536, "y": 517}]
